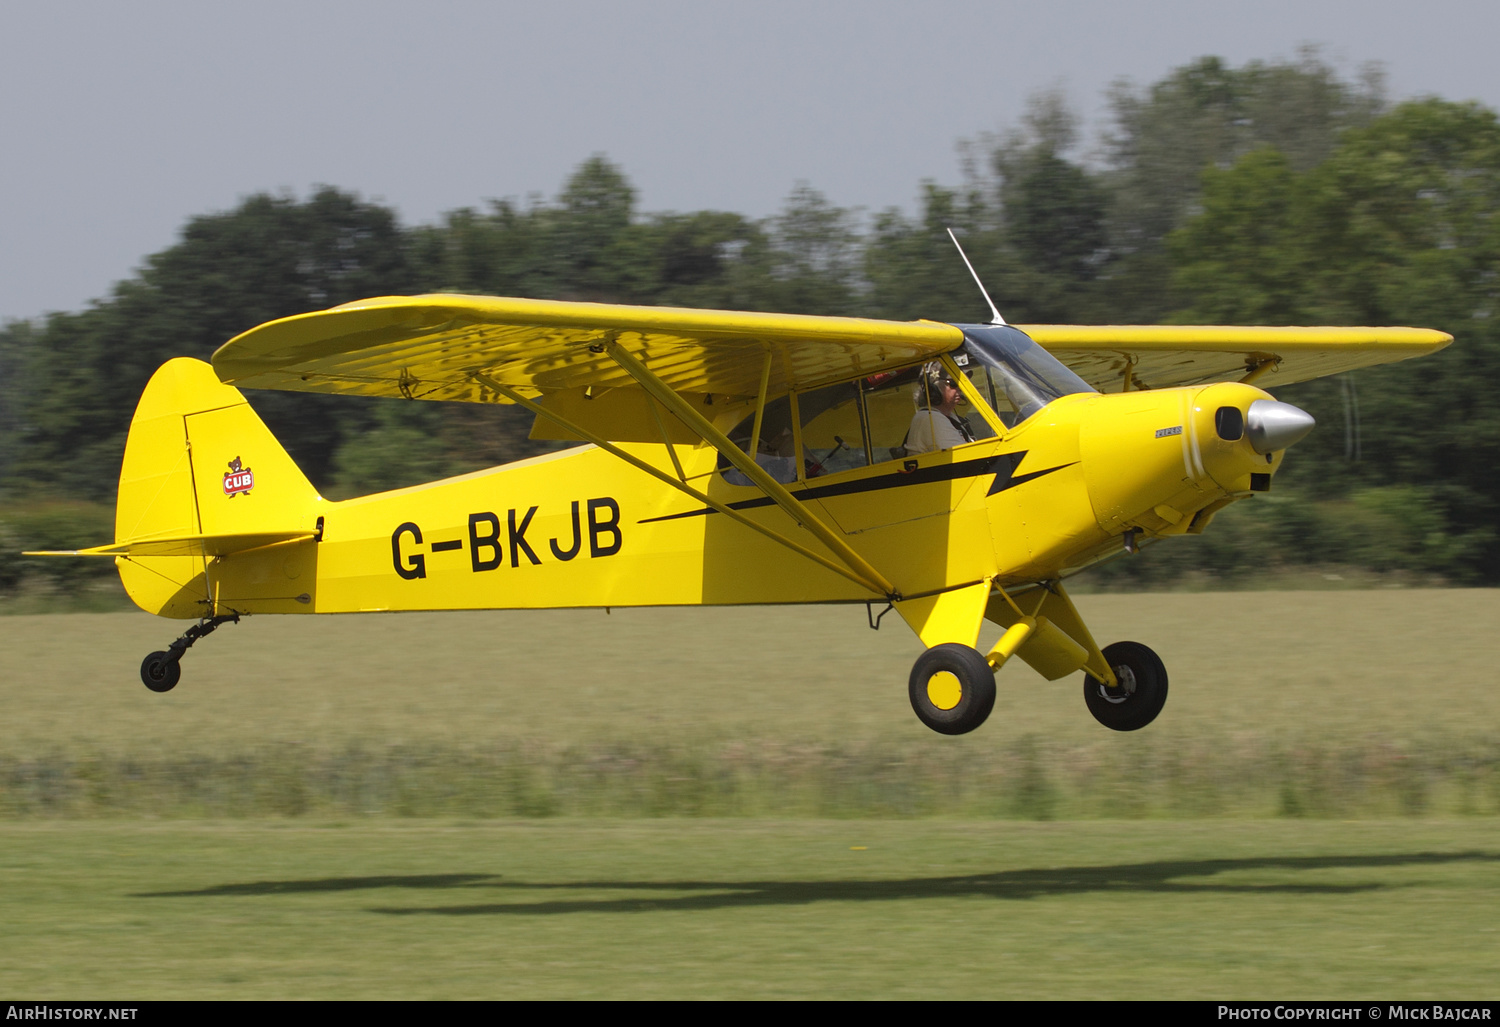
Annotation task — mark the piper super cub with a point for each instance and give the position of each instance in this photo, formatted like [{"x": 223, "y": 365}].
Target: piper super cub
[{"x": 957, "y": 472}]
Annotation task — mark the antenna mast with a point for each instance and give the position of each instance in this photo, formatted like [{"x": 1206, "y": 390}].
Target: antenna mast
[{"x": 998, "y": 320}]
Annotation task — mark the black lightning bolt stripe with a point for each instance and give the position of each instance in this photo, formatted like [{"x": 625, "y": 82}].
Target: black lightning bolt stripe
[
  {"x": 1003, "y": 467},
  {"x": 1011, "y": 479}
]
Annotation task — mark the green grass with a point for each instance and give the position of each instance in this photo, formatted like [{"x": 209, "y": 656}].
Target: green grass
[
  {"x": 739, "y": 803},
  {"x": 750, "y": 909},
  {"x": 1299, "y": 704}
]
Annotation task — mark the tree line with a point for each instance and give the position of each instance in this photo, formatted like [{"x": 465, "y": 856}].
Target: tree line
[{"x": 1272, "y": 193}]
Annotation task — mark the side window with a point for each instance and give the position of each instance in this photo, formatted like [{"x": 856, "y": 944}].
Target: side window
[
  {"x": 855, "y": 424},
  {"x": 833, "y": 439},
  {"x": 833, "y": 436},
  {"x": 776, "y": 452},
  {"x": 890, "y": 401}
]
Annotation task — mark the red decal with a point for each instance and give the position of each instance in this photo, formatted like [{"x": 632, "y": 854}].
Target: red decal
[{"x": 236, "y": 482}]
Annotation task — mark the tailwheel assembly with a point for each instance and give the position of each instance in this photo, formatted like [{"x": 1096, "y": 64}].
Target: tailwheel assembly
[
  {"x": 952, "y": 688},
  {"x": 161, "y": 670},
  {"x": 1141, "y": 691}
]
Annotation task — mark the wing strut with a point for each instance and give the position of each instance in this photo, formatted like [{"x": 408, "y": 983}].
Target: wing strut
[
  {"x": 679, "y": 485},
  {"x": 1258, "y": 368},
  {"x": 863, "y": 571}
]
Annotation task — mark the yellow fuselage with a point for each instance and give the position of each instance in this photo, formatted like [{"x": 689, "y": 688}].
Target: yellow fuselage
[{"x": 582, "y": 528}]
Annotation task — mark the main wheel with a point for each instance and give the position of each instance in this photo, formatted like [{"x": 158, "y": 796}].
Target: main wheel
[
  {"x": 1142, "y": 691},
  {"x": 952, "y": 688},
  {"x": 159, "y": 672}
]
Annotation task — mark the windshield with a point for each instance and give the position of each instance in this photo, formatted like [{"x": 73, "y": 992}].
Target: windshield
[{"x": 1029, "y": 376}]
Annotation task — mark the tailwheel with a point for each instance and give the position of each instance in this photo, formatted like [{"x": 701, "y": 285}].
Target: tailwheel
[
  {"x": 1141, "y": 693},
  {"x": 160, "y": 671},
  {"x": 952, "y": 688}
]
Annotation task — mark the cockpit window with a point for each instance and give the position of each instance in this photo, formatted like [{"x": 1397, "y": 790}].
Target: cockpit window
[
  {"x": 896, "y": 400},
  {"x": 875, "y": 419},
  {"x": 776, "y": 450},
  {"x": 833, "y": 436},
  {"x": 1021, "y": 376},
  {"x": 832, "y": 432}
]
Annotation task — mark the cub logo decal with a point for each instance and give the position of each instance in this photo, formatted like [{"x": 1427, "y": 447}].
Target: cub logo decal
[{"x": 238, "y": 479}]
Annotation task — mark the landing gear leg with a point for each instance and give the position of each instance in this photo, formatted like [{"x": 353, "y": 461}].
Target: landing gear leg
[{"x": 161, "y": 670}]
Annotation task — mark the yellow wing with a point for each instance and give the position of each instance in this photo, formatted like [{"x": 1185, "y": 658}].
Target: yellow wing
[
  {"x": 432, "y": 347},
  {"x": 447, "y": 347},
  {"x": 1160, "y": 356}
]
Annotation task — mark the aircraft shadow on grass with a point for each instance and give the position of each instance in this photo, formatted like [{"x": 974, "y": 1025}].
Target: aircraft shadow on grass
[{"x": 1168, "y": 876}]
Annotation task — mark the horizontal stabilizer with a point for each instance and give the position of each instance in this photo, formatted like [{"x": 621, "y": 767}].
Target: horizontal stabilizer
[{"x": 187, "y": 545}]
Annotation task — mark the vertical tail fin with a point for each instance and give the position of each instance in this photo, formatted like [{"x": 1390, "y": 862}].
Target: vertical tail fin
[{"x": 199, "y": 462}]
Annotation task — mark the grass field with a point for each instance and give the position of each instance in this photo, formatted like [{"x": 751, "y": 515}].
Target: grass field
[
  {"x": 751, "y": 909},
  {"x": 1314, "y": 704},
  {"x": 739, "y": 803}
]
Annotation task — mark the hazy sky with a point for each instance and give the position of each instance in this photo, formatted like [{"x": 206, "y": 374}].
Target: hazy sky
[{"x": 121, "y": 120}]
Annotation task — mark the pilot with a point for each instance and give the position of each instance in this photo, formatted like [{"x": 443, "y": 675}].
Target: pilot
[
  {"x": 775, "y": 455},
  {"x": 937, "y": 423}
]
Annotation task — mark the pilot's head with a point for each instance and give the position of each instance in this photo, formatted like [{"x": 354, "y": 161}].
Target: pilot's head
[{"x": 936, "y": 387}]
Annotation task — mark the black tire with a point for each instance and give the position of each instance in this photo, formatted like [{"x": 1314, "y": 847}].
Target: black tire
[
  {"x": 933, "y": 698},
  {"x": 160, "y": 672},
  {"x": 1143, "y": 691}
]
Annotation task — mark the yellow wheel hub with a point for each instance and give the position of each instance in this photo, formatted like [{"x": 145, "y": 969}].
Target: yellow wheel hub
[{"x": 944, "y": 690}]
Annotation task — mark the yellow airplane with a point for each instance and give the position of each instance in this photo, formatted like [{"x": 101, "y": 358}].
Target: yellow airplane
[{"x": 955, "y": 473}]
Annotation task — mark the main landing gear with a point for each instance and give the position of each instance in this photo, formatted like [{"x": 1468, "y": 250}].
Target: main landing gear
[
  {"x": 952, "y": 688},
  {"x": 161, "y": 670},
  {"x": 1140, "y": 695}
]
